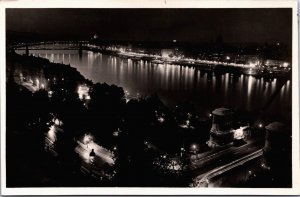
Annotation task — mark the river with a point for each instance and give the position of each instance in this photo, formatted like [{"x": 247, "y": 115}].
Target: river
[{"x": 175, "y": 83}]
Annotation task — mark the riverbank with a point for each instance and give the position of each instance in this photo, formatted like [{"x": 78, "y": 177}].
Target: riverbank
[
  {"x": 43, "y": 74},
  {"x": 203, "y": 65}
]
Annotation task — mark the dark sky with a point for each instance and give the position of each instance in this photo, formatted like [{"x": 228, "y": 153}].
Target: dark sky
[{"x": 195, "y": 25}]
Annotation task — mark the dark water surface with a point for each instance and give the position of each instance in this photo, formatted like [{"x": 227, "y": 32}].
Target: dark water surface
[{"x": 175, "y": 83}]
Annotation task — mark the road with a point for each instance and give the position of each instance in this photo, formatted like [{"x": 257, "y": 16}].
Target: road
[
  {"x": 29, "y": 86},
  {"x": 101, "y": 154},
  {"x": 216, "y": 160},
  {"x": 203, "y": 179},
  {"x": 204, "y": 158},
  {"x": 95, "y": 166}
]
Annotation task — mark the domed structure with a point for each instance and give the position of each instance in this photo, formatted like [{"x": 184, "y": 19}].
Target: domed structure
[
  {"x": 221, "y": 130},
  {"x": 277, "y": 154},
  {"x": 95, "y": 37},
  {"x": 275, "y": 143}
]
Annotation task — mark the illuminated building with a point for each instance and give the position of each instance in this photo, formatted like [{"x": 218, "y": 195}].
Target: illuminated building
[
  {"x": 221, "y": 130},
  {"x": 83, "y": 92},
  {"x": 167, "y": 52},
  {"x": 242, "y": 133},
  {"x": 276, "y": 63}
]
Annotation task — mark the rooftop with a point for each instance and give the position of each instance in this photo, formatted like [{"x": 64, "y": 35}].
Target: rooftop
[
  {"x": 276, "y": 126},
  {"x": 222, "y": 111}
]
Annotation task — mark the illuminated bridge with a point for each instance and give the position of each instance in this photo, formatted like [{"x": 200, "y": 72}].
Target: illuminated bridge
[{"x": 50, "y": 45}]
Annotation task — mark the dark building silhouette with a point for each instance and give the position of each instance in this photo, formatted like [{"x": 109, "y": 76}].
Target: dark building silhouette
[
  {"x": 275, "y": 144},
  {"x": 80, "y": 49},
  {"x": 221, "y": 130},
  {"x": 27, "y": 50},
  {"x": 277, "y": 155}
]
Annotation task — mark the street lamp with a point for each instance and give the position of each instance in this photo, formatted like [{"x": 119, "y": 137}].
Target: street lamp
[
  {"x": 92, "y": 157},
  {"x": 194, "y": 148},
  {"x": 187, "y": 122},
  {"x": 182, "y": 150}
]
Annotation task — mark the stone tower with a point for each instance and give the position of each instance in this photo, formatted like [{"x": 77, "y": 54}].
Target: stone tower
[{"x": 221, "y": 129}]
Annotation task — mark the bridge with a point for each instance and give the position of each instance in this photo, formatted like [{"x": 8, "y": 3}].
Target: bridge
[{"x": 50, "y": 45}]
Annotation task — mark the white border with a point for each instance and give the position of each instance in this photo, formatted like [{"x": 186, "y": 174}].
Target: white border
[{"x": 154, "y": 4}]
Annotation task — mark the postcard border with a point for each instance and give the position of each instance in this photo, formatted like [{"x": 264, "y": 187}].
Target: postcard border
[{"x": 154, "y": 4}]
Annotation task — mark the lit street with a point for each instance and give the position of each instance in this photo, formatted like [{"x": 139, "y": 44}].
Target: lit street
[
  {"x": 102, "y": 156},
  {"x": 225, "y": 157},
  {"x": 203, "y": 179}
]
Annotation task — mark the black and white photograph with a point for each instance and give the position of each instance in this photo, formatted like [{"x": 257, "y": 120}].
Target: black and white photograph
[{"x": 155, "y": 97}]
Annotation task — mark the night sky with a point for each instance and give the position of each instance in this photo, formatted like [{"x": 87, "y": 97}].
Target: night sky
[{"x": 189, "y": 25}]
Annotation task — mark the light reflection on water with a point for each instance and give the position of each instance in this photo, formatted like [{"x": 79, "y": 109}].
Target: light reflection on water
[{"x": 176, "y": 83}]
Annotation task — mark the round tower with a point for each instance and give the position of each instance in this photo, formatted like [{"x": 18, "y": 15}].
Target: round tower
[
  {"x": 221, "y": 129},
  {"x": 277, "y": 155},
  {"x": 276, "y": 144}
]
